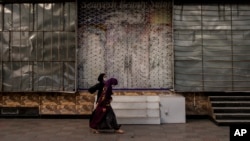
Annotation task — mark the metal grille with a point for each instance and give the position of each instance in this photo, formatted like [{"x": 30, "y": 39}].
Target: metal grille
[
  {"x": 212, "y": 47},
  {"x": 129, "y": 41},
  {"x": 37, "y": 46}
]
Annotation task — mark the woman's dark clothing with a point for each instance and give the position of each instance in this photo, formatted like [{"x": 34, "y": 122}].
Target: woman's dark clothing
[
  {"x": 110, "y": 120},
  {"x": 98, "y": 87},
  {"x": 101, "y": 119}
]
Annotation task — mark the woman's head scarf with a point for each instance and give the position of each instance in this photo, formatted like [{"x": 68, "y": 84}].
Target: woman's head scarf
[
  {"x": 111, "y": 81},
  {"x": 100, "y": 77}
]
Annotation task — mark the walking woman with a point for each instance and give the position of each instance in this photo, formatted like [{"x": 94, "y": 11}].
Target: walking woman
[{"x": 103, "y": 116}]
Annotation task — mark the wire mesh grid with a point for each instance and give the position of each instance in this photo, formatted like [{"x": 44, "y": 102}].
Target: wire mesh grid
[{"x": 129, "y": 41}]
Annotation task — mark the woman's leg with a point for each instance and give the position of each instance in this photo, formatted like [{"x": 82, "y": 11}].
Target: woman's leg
[
  {"x": 113, "y": 122},
  {"x": 111, "y": 119},
  {"x": 96, "y": 118}
]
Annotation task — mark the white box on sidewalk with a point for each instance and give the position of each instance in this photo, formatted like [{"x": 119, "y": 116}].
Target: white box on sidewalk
[{"x": 173, "y": 109}]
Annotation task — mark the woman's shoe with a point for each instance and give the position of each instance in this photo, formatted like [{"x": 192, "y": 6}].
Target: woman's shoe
[
  {"x": 95, "y": 131},
  {"x": 119, "y": 131}
]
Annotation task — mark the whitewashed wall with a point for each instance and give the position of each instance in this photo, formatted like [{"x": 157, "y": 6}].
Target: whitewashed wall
[{"x": 129, "y": 41}]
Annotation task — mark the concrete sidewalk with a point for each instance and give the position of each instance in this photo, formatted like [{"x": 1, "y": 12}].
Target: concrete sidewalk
[{"x": 78, "y": 130}]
